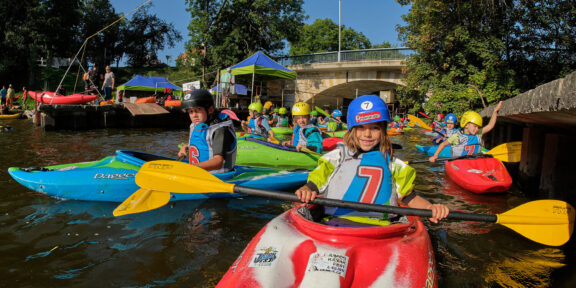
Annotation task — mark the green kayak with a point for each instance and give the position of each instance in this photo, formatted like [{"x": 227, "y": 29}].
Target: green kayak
[
  {"x": 254, "y": 152},
  {"x": 282, "y": 130}
]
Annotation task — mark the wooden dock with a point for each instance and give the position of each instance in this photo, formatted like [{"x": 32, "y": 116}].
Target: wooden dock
[{"x": 122, "y": 115}]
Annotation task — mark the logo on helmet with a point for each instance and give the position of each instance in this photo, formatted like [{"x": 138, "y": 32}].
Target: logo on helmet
[
  {"x": 368, "y": 116},
  {"x": 367, "y": 105},
  {"x": 296, "y": 109}
]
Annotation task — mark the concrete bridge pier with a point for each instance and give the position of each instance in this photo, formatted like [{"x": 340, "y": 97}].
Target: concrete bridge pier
[{"x": 558, "y": 166}]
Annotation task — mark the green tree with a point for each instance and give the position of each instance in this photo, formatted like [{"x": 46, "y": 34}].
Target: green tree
[
  {"x": 471, "y": 53},
  {"x": 144, "y": 35},
  {"x": 458, "y": 64},
  {"x": 322, "y": 36},
  {"x": 223, "y": 32},
  {"x": 34, "y": 29}
]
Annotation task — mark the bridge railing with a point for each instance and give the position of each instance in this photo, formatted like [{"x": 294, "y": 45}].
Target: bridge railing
[{"x": 348, "y": 55}]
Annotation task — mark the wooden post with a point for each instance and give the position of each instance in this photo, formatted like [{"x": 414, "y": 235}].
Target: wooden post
[
  {"x": 532, "y": 153},
  {"x": 557, "y": 177}
]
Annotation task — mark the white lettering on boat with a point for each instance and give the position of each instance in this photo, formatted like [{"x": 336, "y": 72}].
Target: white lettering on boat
[
  {"x": 328, "y": 262},
  {"x": 123, "y": 176},
  {"x": 431, "y": 274}
]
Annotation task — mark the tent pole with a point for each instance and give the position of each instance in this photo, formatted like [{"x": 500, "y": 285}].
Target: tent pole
[{"x": 252, "y": 98}]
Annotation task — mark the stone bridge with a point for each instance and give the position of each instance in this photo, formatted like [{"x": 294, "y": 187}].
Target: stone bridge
[{"x": 323, "y": 80}]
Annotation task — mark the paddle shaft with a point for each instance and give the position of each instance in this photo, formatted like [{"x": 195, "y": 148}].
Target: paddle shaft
[
  {"x": 363, "y": 206},
  {"x": 475, "y": 156}
]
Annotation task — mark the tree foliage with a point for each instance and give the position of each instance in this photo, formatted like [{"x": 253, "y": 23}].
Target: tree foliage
[
  {"x": 145, "y": 35},
  {"x": 224, "y": 32},
  {"x": 470, "y": 52},
  {"x": 322, "y": 36},
  {"x": 35, "y": 29}
]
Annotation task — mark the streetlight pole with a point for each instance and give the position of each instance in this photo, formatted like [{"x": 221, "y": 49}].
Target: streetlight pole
[{"x": 339, "y": 28}]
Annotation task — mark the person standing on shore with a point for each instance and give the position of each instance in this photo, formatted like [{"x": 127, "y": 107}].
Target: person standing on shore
[
  {"x": 11, "y": 94},
  {"x": 108, "y": 84},
  {"x": 3, "y": 95}
]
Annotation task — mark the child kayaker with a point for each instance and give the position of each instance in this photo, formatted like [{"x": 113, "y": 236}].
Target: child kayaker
[
  {"x": 397, "y": 123},
  {"x": 257, "y": 124},
  {"x": 283, "y": 120},
  {"x": 304, "y": 135},
  {"x": 363, "y": 169},
  {"x": 274, "y": 117},
  {"x": 437, "y": 124},
  {"x": 212, "y": 141},
  {"x": 334, "y": 123},
  {"x": 468, "y": 139},
  {"x": 314, "y": 117},
  {"x": 447, "y": 131}
]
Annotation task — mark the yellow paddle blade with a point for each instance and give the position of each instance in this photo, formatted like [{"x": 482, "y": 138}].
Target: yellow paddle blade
[
  {"x": 507, "y": 152},
  {"x": 274, "y": 140},
  {"x": 141, "y": 201},
  {"x": 549, "y": 222},
  {"x": 179, "y": 177},
  {"x": 419, "y": 122}
]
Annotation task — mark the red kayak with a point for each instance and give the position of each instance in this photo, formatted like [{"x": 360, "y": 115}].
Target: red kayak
[
  {"x": 291, "y": 251},
  {"x": 329, "y": 144},
  {"x": 50, "y": 98},
  {"x": 480, "y": 175}
]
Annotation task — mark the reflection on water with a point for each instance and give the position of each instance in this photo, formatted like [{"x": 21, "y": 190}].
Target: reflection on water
[{"x": 46, "y": 242}]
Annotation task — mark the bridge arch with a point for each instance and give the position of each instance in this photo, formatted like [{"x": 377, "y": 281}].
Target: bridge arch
[{"x": 334, "y": 96}]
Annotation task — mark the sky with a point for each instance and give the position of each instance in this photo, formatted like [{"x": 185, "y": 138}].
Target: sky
[{"x": 376, "y": 19}]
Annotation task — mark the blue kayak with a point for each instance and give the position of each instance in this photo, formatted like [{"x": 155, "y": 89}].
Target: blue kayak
[
  {"x": 111, "y": 179},
  {"x": 430, "y": 150}
]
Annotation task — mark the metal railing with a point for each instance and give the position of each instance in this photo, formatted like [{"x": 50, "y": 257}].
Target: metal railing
[{"x": 348, "y": 55}]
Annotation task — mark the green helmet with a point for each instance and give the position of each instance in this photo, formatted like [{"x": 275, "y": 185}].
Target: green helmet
[
  {"x": 396, "y": 118},
  {"x": 256, "y": 106},
  {"x": 314, "y": 113},
  {"x": 276, "y": 110},
  {"x": 282, "y": 111}
]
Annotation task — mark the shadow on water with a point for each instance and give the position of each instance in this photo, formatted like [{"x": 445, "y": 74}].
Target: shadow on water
[{"x": 47, "y": 242}]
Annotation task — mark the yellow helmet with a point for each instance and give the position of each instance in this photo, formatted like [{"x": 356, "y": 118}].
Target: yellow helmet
[
  {"x": 471, "y": 117},
  {"x": 300, "y": 109}
]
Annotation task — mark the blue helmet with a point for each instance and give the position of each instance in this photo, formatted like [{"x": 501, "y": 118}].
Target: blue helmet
[
  {"x": 367, "y": 109},
  {"x": 336, "y": 113},
  {"x": 451, "y": 119}
]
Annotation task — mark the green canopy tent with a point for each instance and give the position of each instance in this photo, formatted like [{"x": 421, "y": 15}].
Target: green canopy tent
[{"x": 259, "y": 63}]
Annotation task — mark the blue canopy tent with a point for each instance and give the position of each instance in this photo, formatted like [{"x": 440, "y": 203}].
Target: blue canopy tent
[
  {"x": 259, "y": 63},
  {"x": 150, "y": 84}
]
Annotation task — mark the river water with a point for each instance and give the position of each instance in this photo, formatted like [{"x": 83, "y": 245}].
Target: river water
[{"x": 47, "y": 242}]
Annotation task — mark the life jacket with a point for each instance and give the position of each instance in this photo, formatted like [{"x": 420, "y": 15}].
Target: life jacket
[
  {"x": 282, "y": 121},
  {"x": 300, "y": 135},
  {"x": 334, "y": 125},
  {"x": 469, "y": 144},
  {"x": 445, "y": 132},
  {"x": 85, "y": 76},
  {"x": 364, "y": 178},
  {"x": 257, "y": 127},
  {"x": 200, "y": 144}
]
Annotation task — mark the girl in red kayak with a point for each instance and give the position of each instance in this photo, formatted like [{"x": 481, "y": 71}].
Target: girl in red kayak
[
  {"x": 363, "y": 169},
  {"x": 212, "y": 142},
  {"x": 468, "y": 140}
]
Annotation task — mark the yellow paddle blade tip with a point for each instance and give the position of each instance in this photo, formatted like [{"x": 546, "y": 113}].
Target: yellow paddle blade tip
[
  {"x": 549, "y": 222},
  {"x": 141, "y": 201}
]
